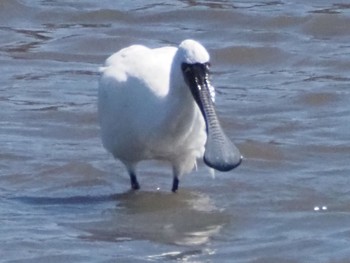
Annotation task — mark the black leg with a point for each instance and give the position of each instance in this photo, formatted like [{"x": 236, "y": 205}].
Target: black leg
[
  {"x": 175, "y": 184},
  {"x": 134, "y": 183}
]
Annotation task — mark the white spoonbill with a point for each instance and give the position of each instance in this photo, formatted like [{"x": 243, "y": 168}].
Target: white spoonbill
[{"x": 158, "y": 104}]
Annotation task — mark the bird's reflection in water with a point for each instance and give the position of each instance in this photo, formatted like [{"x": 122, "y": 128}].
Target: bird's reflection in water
[{"x": 186, "y": 218}]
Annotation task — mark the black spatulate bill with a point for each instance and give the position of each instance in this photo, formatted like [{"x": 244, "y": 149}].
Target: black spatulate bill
[{"x": 220, "y": 153}]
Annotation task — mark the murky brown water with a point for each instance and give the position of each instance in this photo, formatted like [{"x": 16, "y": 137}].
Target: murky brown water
[{"x": 281, "y": 69}]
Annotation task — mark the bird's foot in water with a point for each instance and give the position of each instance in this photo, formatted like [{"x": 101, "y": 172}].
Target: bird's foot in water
[
  {"x": 134, "y": 183},
  {"x": 175, "y": 184}
]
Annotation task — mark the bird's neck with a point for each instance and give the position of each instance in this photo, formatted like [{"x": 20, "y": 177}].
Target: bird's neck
[{"x": 180, "y": 103}]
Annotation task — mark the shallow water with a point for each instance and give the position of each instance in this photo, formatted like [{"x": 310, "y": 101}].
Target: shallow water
[{"x": 281, "y": 70}]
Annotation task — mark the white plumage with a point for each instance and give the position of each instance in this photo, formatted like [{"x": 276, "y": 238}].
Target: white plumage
[{"x": 147, "y": 111}]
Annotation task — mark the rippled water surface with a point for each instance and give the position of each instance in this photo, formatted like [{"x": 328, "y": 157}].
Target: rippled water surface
[{"x": 281, "y": 69}]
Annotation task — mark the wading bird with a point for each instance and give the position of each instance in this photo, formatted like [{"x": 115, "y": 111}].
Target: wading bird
[{"x": 159, "y": 104}]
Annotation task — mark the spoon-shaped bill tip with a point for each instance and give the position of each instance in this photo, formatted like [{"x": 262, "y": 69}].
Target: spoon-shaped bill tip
[{"x": 221, "y": 154}]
